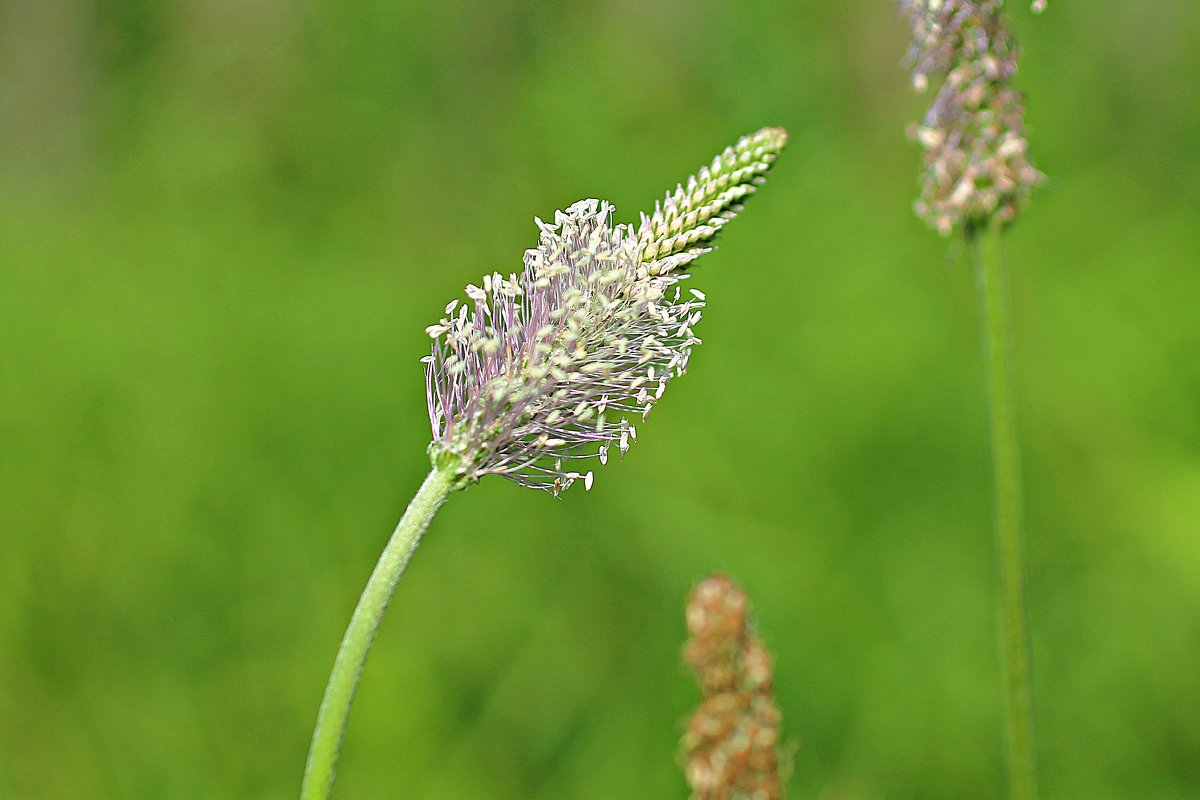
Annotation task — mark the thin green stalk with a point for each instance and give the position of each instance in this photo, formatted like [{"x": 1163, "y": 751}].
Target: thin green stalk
[
  {"x": 352, "y": 654},
  {"x": 992, "y": 282}
]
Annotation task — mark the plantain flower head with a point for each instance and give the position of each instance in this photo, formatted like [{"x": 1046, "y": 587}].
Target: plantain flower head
[
  {"x": 732, "y": 746},
  {"x": 977, "y": 164},
  {"x": 543, "y": 368}
]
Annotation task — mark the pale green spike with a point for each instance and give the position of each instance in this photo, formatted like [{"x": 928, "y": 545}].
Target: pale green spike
[{"x": 690, "y": 217}]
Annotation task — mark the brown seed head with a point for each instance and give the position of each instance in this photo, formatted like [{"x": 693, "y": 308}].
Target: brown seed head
[{"x": 731, "y": 745}]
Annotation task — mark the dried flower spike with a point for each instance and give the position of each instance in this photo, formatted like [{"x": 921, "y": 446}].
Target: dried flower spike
[
  {"x": 976, "y": 157},
  {"x": 731, "y": 747},
  {"x": 545, "y": 367}
]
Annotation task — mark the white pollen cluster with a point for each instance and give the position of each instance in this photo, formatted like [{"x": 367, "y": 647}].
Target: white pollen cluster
[{"x": 550, "y": 366}]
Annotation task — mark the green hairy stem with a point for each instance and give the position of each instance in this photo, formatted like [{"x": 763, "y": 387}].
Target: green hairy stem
[{"x": 356, "y": 644}]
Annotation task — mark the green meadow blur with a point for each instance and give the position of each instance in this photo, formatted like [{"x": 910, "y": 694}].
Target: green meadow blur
[{"x": 224, "y": 225}]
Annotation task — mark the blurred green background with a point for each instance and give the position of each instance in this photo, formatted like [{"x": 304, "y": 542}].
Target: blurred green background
[{"x": 224, "y": 225}]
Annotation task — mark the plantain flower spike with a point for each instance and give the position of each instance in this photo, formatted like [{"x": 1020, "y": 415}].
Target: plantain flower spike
[
  {"x": 542, "y": 369},
  {"x": 731, "y": 748},
  {"x": 977, "y": 164}
]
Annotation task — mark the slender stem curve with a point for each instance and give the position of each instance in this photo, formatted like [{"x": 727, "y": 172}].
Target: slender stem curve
[
  {"x": 991, "y": 277},
  {"x": 356, "y": 644}
]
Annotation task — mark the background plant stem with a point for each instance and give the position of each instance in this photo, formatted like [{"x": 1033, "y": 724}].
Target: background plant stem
[
  {"x": 991, "y": 278},
  {"x": 356, "y": 644}
]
